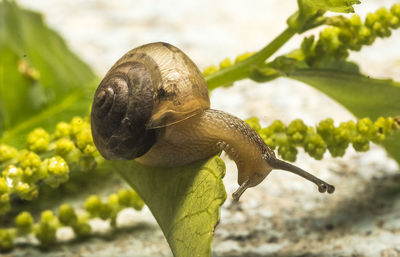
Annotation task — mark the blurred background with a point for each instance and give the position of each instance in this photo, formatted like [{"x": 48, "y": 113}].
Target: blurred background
[{"x": 285, "y": 215}]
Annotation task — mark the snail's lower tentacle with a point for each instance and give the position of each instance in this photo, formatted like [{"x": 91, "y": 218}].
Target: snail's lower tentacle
[{"x": 236, "y": 195}]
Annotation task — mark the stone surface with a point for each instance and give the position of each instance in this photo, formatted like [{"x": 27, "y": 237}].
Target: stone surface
[{"x": 285, "y": 215}]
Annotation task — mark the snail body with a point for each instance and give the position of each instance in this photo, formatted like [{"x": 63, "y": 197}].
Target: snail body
[{"x": 153, "y": 106}]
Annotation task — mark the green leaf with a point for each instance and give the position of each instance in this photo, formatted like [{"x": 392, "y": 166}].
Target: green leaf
[
  {"x": 11, "y": 97},
  {"x": 185, "y": 201},
  {"x": 361, "y": 95},
  {"x": 41, "y": 80}
]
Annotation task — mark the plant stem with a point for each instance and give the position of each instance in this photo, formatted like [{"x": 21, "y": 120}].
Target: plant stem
[{"x": 241, "y": 69}]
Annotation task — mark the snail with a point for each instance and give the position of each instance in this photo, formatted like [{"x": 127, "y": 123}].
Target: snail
[{"x": 153, "y": 107}]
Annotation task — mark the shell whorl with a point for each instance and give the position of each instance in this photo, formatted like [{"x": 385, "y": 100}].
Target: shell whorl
[{"x": 122, "y": 106}]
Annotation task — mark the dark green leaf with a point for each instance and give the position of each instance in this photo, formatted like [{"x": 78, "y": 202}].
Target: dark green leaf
[
  {"x": 41, "y": 80},
  {"x": 185, "y": 201}
]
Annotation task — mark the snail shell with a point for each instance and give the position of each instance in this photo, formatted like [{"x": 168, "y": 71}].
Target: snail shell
[{"x": 151, "y": 86}]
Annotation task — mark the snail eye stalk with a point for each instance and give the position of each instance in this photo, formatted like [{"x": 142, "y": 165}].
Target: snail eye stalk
[{"x": 282, "y": 165}]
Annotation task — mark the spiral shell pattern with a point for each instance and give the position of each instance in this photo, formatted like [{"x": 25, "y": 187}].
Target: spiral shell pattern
[{"x": 121, "y": 108}]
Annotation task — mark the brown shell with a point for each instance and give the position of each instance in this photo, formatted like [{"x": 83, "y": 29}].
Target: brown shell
[
  {"x": 152, "y": 86},
  {"x": 180, "y": 91}
]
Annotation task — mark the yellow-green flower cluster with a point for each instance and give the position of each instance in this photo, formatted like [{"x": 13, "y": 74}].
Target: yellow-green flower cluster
[
  {"x": 359, "y": 134},
  {"x": 21, "y": 178},
  {"x": 325, "y": 136},
  {"x": 73, "y": 141},
  {"x": 38, "y": 140},
  {"x": 6, "y": 239},
  {"x": 4, "y": 195},
  {"x": 346, "y": 34},
  {"x": 56, "y": 170},
  {"x": 24, "y": 223},
  {"x": 115, "y": 203},
  {"x": 69, "y": 147},
  {"x": 7, "y": 153},
  {"x": 225, "y": 63},
  {"x": 75, "y": 134},
  {"x": 46, "y": 229}
]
